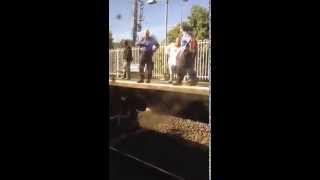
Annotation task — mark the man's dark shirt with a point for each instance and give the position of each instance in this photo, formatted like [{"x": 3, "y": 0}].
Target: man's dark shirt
[{"x": 127, "y": 54}]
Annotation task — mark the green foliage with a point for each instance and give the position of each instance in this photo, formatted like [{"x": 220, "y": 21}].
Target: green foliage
[
  {"x": 116, "y": 45},
  {"x": 199, "y": 22},
  {"x": 120, "y": 44},
  {"x": 173, "y": 33},
  {"x": 129, "y": 41}
]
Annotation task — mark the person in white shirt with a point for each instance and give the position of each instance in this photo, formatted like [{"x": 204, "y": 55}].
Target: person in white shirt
[
  {"x": 172, "y": 51},
  {"x": 186, "y": 56}
]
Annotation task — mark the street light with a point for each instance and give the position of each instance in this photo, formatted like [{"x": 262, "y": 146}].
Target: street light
[
  {"x": 166, "y": 16},
  {"x": 181, "y": 12},
  {"x": 166, "y": 19},
  {"x": 151, "y": 1}
]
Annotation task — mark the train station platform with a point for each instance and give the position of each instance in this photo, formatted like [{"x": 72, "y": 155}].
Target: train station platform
[{"x": 202, "y": 88}]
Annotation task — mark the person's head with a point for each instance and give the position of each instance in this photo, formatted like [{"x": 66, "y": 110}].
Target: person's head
[
  {"x": 178, "y": 42},
  {"x": 147, "y": 33},
  {"x": 123, "y": 98},
  {"x": 185, "y": 28},
  {"x": 126, "y": 43}
]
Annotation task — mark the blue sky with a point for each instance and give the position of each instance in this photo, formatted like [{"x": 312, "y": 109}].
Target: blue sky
[{"x": 154, "y": 18}]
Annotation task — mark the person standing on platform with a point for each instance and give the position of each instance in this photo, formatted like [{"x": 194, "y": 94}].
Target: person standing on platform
[
  {"x": 127, "y": 56},
  {"x": 186, "y": 56},
  {"x": 149, "y": 45},
  {"x": 172, "y": 51}
]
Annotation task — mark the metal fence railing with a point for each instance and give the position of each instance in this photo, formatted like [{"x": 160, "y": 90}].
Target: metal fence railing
[{"x": 160, "y": 65}]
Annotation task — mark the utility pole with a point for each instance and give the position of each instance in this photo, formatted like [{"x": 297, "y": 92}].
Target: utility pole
[
  {"x": 135, "y": 18},
  {"x": 167, "y": 2},
  {"x": 209, "y": 74},
  {"x": 210, "y": 80},
  {"x": 181, "y": 14},
  {"x": 140, "y": 15}
]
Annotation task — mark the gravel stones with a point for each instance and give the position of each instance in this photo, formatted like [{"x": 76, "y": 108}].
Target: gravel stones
[{"x": 189, "y": 130}]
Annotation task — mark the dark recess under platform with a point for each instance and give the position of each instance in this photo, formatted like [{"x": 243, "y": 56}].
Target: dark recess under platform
[{"x": 187, "y": 106}]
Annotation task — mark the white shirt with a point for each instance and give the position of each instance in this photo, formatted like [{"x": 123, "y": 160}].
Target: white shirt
[
  {"x": 185, "y": 39},
  {"x": 172, "y": 51}
]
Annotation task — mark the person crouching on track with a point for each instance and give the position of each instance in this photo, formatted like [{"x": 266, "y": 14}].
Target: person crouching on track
[
  {"x": 147, "y": 43},
  {"x": 127, "y": 56},
  {"x": 172, "y": 51},
  {"x": 126, "y": 116}
]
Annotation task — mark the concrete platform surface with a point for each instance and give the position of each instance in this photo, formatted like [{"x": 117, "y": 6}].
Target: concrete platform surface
[{"x": 201, "y": 89}]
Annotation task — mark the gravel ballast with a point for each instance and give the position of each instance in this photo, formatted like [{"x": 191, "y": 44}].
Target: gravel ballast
[{"x": 189, "y": 130}]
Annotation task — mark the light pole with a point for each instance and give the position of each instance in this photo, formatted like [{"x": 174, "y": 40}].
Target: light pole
[
  {"x": 166, "y": 41},
  {"x": 166, "y": 21},
  {"x": 166, "y": 15},
  {"x": 181, "y": 16},
  {"x": 134, "y": 25},
  {"x": 181, "y": 11},
  {"x": 210, "y": 80}
]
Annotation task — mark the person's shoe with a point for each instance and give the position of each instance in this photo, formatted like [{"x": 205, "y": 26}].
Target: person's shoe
[
  {"x": 140, "y": 81},
  {"x": 123, "y": 78},
  {"x": 170, "y": 81},
  {"x": 177, "y": 83},
  {"x": 192, "y": 83},
  {"x": 148, "y": 81}
]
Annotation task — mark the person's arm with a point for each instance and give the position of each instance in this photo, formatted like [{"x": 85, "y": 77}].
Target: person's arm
[
  {"x": 130, "y": 54},
  {"x": 185, "y": 40},
  {"x": 125, "y": 54},
  {"x": 140, "y": 43},
  {"x": 119, "y": 116},
  {"x": 193, "y": 45},
  {"x": 113, "y": 117},
  {"x": 167, "y": 50},
  {"x": 127, "y": 115},
  {"x": 156, "y": 44}
]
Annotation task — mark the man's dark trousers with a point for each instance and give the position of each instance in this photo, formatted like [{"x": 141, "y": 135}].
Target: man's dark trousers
[{"x": 146, "y": 59}]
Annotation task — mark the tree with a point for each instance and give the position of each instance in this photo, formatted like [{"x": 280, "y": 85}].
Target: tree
[
  {"x": 116, "y": 45},
  {"x": 174, "y": 33},
  {"x": 110, "y": 40},
  {"x": 129, "y": 41},
  {"x": 199, "y": 22},
  {"x": 120, "y": 44}
]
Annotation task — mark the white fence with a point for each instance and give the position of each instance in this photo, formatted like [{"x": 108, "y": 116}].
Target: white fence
[{"x": 160, "y": 65}]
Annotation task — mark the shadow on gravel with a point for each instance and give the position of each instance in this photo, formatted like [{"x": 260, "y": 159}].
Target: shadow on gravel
[
  {"x": 169, "y": 152},
  {"x": 185, "y": 106}
]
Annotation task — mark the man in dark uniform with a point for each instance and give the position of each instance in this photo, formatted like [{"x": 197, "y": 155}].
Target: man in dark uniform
[
  {"x": 147, "y": 44},
  {"x": 127, "y": 56},
  {"x": 186, "y": 56}
]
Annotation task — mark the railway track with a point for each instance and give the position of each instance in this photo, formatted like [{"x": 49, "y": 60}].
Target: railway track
[
  {"x": 124, "y": 136},
  {"x": 160, "y": 157},
  {"x": 140, "y": 167},
  {"x": 162, "y": 147}
]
